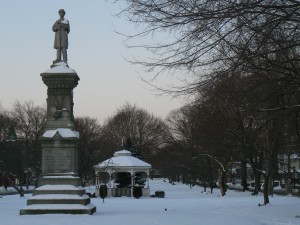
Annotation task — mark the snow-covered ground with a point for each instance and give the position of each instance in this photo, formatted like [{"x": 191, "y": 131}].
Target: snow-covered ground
[{"x": 181, "y": 205}]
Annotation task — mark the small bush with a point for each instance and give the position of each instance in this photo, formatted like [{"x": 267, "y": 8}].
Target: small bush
[
  {"x": 137, "y": 191},
  {"x": 103, "y": 192},
  {"x": 160, "y": 194}
]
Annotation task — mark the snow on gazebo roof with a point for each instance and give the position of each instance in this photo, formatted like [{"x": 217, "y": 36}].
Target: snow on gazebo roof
[{"x": 121, "y": 159}]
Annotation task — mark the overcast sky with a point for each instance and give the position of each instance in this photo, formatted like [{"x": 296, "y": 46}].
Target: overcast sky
[{"x": 96, "y": 52}]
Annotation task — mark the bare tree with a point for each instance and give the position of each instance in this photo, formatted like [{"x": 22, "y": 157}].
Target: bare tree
[
  {"x": 6, "y": 124},
  {"x": 30, "y": 121},
  {"x": 212, "y": 38},
  {"x": 181, "y": 124},
  {"x": 89, "y": 145},
  {"x": 145, "y": 131},
  {"x": 182, "y": 154}
]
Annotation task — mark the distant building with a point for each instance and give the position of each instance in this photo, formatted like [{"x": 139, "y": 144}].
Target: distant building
[{"x": 294, "y": 165}]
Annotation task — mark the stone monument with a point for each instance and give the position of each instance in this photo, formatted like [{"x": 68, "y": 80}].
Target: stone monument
[{"x": 59, "y": 187}]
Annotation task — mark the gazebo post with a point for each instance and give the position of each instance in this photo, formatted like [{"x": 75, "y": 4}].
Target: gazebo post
[
  {"x": 147, "y": 178},
  {"x": 111, "y": 186},
  {"x": 97, "y": 178},
  {"x": 109, "y": 177},
  {"x": 132, "y": 182}
]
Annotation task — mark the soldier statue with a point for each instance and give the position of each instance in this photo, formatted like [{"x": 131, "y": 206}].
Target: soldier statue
[{"x": 61, "y": 28}]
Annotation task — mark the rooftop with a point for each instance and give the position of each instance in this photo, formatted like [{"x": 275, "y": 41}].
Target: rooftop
[{"x": 123, "y": 158}]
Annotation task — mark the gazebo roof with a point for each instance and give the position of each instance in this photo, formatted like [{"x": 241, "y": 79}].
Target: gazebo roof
[{"x": 123, "y": 159}]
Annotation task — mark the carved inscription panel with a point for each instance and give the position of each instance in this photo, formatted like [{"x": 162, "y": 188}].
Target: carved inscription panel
[{"x": 57, "y": 160}]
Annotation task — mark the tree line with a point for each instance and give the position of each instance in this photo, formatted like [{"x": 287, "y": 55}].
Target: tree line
[
  {"x": 130, "y": 127},
  {"x": 201, "y": 141}
]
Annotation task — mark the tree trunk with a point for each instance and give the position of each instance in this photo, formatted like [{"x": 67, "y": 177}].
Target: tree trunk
[
  {"x": 223, "y": 186},
  {"x": 244, "y": 176},
  {"x": 271, "y": 185},
  {"x": 211, "y": 185},
  {"x": 266, "y": 190},
  {"x": 19, "y": 190},
  {"x": 257, "y": 182}
]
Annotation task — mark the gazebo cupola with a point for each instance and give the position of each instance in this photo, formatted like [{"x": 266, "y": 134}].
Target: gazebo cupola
[{"x": 122, "y": 153}]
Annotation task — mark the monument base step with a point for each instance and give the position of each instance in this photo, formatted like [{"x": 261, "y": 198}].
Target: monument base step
[
  {"x": 58, "y": 209},
  {"x": 59, "y": 199},
  {"x": 66, "y": 179},
  {"x": 59, "y": 189}
]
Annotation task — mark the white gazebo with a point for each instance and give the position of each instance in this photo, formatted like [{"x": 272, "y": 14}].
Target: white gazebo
[{"x": 122, "y": 163}]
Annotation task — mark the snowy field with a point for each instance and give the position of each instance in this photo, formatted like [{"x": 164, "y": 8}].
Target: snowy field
[{"x": 181, "y": 206}]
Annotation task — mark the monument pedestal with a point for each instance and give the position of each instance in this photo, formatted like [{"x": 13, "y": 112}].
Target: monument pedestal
[
  {"x": 61, "y": 198},
  {"x": 59, "y": 187}
]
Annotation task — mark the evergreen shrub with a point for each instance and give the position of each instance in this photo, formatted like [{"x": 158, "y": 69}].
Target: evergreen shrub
[
  {"x": 160, "y": 194},
  {"x": 103, "y": 192},
  {"x": 137, "y": 191}
]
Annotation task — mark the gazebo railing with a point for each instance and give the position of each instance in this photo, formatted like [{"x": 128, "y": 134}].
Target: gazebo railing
[{"x": 119, "y": 192}]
